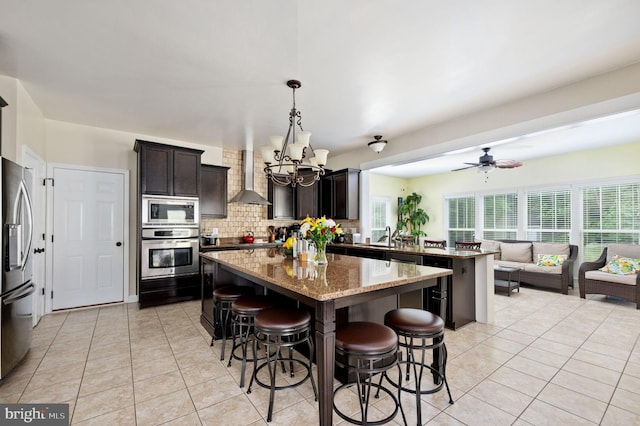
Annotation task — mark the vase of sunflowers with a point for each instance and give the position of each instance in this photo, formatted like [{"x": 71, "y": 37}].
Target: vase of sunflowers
[{"x": 320, "y": 231}]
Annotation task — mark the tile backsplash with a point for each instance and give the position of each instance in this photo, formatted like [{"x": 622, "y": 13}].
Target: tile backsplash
[{"x": 244, "y": 217}]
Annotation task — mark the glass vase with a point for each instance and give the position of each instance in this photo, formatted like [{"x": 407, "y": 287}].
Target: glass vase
[{"x": 321, "y": 253}]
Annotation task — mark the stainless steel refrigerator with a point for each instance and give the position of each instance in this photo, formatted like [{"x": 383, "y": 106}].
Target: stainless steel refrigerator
[{"x": 16, "y": 305}]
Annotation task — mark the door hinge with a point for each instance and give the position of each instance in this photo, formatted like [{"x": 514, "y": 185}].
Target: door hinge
[
  {"x": 44, "y": 237},
  {"x": 42, "y": 291},
  {"x": 52, "y": 294},
  {"x": 51, "y": 237},
  {"x": 44, "y": 181}
]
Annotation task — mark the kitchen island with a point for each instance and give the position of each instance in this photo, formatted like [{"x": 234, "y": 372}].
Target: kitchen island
[{"x": 325, "y": 290}]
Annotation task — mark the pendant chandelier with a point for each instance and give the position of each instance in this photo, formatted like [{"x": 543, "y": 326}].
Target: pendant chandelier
[{"x": 294, "y": 163}]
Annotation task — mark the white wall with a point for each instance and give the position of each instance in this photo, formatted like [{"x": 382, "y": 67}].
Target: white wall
[
  {"x": 88, "y": 146},
  {"x": 30, "y": 129},
  {"x": 22, "y": 121},
  {"x": 9, "y": 92}
]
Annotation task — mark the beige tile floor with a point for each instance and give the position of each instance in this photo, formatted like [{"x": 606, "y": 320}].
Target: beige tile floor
[{"x": 547, "y": 359}]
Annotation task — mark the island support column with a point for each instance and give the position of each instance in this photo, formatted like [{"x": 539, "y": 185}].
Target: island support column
[
  {"x": 325, "y": 358},
  {"x": 485, "y": 289}
]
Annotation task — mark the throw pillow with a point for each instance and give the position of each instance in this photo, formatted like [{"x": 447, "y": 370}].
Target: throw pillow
[
  {"x": 551, "y": 259},
  {"x": 622, "y": 266}
]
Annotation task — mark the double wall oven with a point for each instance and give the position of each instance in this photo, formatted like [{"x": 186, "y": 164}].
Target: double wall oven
[{"x": 170, "y": 237}]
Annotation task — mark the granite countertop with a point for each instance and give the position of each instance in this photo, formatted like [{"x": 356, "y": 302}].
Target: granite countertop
[
  {"x": 449, "y": 252},
  {"x": 342, "y": 276}
]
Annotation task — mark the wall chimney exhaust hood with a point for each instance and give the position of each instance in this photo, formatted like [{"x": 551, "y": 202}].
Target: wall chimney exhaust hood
[{"x": 247, "y": 195}]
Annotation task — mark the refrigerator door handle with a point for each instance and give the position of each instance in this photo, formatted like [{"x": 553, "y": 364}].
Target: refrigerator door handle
[
  {"x": 25, "y": 252},
  {"x": 30, "y": 289}
]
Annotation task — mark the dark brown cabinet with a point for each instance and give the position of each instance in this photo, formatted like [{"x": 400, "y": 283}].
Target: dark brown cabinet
[
  {"x": 282, "y": 201},
  {"x": 288, "y": 202},
  {"x": 213, "y": 191},
  {"x": 307, "y": 199},
  {"x": 168, "y": 170},
  {"x": 341, "y": 194}
]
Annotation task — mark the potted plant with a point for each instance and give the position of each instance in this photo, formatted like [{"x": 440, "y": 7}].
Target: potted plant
[{"x": 411, "y": 217}]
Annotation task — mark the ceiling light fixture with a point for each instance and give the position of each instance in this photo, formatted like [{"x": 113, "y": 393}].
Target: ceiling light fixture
[
  {"x": 286, "y": 162},
  {"x": 378, "y": 145}
]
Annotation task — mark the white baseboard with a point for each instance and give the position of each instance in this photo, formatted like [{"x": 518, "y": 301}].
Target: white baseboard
[{"x": 132, "y": 298}]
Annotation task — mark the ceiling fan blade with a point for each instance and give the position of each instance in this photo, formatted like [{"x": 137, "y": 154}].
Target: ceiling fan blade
[
  {"x": 465, "y": 168},
  {"x": 507, "y": 164}
]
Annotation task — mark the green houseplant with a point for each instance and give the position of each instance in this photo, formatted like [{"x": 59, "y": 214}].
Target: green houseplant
[{"x": 411, "y": 217}]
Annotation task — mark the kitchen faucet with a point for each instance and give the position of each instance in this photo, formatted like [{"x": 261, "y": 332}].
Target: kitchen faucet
[{"x": 387, "y": 231}]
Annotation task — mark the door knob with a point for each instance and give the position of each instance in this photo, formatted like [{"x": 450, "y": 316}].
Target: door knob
[{"x": 118, "y": 243}]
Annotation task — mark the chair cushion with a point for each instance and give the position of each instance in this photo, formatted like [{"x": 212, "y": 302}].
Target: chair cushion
[
  {"x": 516, "y": 252},
  {"x": 416, "y": 321},
  {"x": 605, "y": 276},
  {"x": 623, "y": 250},
  {"x": 508, "y": 264},
  {"x": 282, "y": 319},
  {"x": 532, "y": 267},
  {"x": 251, "y": 304},
  {"x": 550, "y": 248},
  {"x": 230, "y": 292},
  {"x": 366, "y": 337}
]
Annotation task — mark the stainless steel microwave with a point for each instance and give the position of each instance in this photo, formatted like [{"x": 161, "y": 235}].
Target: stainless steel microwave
[{"x": 173, "y": 211}]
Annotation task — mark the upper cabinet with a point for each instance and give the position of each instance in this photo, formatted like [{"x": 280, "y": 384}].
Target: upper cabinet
[
  {"x": 282, "y": 201},
  {"x": 307, "y": 199},
  {"x": 288, "y": 202},
  {"x": 168, "y": 170},
  {"x": 341, "y": 194},
  {"x": 213, "y": 191}
]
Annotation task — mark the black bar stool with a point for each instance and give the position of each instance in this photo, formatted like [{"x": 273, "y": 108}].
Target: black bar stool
[
  {"x": 366, "y": 349},
  {"x": 222, "y": 299},
  {"x": 243, "y": 313},
  {"x": 420, "y": 330},
  {"x": 277, "y": 329}
]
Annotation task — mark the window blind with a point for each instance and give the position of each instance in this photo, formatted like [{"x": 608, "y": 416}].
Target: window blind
[
  {"x": 549, "y": 216},
  {"x": 462, "y": 219},
  {"x": 610, "y": 214},
  {"x": 500, "y": 216}
]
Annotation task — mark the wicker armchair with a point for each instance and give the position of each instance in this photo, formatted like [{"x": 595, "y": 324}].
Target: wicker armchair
[{"x": 593, "y": 281}]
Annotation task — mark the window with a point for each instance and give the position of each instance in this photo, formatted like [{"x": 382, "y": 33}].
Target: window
[
  {"x": 380, "y": 217},
  {"x": 500, "y": 216},
  {"x": 610, "y": 214},
  {"x": 462, "y": 219},
  {"x": 590, "y": 215},
  {"x": 549, "y": 216}
]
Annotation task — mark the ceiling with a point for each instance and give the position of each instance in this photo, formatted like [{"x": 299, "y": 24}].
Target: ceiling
[
  {"x": 610, "y": 130},
  {"x": 213, "y": 72}
]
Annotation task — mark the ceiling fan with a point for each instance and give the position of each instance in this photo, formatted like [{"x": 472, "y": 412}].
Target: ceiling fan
[{"x": 486, "y": 163}]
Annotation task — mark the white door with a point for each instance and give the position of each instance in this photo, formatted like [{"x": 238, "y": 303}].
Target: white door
[
  {"x": 37, "y": 166},
  {"x": 88, "y": 237}
]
